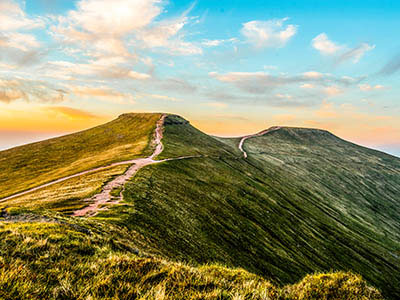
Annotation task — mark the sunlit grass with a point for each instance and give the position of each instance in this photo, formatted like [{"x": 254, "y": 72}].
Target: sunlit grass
[
  {"x": 67, "y": 195},
  {"x": 31, "y": 165}
]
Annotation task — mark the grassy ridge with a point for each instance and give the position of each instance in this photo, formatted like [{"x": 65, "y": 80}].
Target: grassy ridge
[
  {"x": 31, "y": 165},
  {"x": 215, "y": 226},
  {"x": 64, "y": 258},
  {"x": 256, "y": 213}
]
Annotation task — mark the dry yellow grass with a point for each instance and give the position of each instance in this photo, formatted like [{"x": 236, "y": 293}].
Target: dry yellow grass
[
  {"x": 125, "y": 138},
  {"x": 65, "y": 196}
]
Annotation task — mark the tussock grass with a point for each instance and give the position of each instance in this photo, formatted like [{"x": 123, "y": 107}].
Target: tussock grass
[{"x": 77, "y": 259}]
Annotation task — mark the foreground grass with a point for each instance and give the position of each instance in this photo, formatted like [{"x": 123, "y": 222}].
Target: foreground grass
[
  {"x": 66, "y": 196},
  {"x": 65, "y": 258},
  {"x": 31, "y": 165}
]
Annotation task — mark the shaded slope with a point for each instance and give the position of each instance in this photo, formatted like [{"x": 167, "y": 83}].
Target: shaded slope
[
  {"x": 253, "y": 214},
  {"x": 360, "y": 183},
  {"x": 31, "y": 165}
]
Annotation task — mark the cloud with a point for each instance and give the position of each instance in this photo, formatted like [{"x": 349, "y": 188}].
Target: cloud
[
  {"x": 102, "y": 92},
  {"x": 219, "y": 105},
  {"x": 17, "y": 45},
  {"x": 158, "y": 97},
  {"x": 356, "y": 53},
  {"x": 21, "y": 41},
  {"x": 367, "y": 88},
  {"x": 332, "y": 91},
  {"x": 313, "y": 75},
  {"x": 325, "y": 46},
  {"x": 342, "y": 53},
  {"x": 72, "y": 113},
  {"x": 215, "y": 43},
  {"x": 261, "y": 82},
  {"x": 114, "y": 18},
  {"x": 167, "y": 35},
  {"x": 100, "y": 27},
  {"x": 111, "y": 68},
  {"x": 29, "y": 90},
  {"x": 270, "y": 33},
  {"x": 14, "y": 18},
  {"x": 392, "y": 66},
  {"x": 103, "y": 28},
  {"x": 307, "y": 86}
]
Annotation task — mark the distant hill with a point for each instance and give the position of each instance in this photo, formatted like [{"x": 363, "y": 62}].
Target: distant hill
[{"x": 303, "y": 201}]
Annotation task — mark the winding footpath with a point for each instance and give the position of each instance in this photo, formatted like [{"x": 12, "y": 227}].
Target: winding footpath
[
  {"x": 96, "y": 202},
  {"x": 255, "y": 135},
  {"x": 104, "y": 197}
]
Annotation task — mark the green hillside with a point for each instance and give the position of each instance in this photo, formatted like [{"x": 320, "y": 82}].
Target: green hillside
[
  {"x": 272, "y": 216},
  {"x": 30, "y": 165},
  {"x": 300, "y": 218}
]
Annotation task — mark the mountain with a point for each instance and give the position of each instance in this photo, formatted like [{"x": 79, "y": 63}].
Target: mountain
[{"x": 200, "y": 220}]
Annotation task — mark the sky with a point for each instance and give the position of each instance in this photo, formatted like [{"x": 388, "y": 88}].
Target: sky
[{"x": 229, "y": 67}]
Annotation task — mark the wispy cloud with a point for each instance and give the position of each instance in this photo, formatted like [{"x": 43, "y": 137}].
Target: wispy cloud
[
  {"x": 29, "y": 90},
  {"x": 261, "y": 82},
  {"x": 72, "y": 113},
  {"x": 392, "y": 66},
  {"x": 101, "y": 93},
  {"x": 219, "y": 105},
  {"x": 270, "y": 33},
  {"x": 341, "y": 52},
  {"x": 356, "y": 53}
]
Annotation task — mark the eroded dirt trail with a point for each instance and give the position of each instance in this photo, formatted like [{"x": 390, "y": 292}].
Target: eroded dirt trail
[
  {"x": 157, "y": 151},
  {"x": 254, "y": 135},
  {"x": 104, "y": 197}
]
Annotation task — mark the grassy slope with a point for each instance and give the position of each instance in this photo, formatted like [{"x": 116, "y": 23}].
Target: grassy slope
[
  {"x": 66, "y": 196},
  {"x": 69, "y": 258},
  {"x": 31, "y": 165},
  {"x": 256, "y": 214}
]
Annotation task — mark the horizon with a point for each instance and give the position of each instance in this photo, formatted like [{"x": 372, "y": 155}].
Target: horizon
[
  {"x": 230, "y": 68},
  {"x": 45, "y": 137}
]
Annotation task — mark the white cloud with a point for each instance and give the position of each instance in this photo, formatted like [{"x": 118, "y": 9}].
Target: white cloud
[
  {"x": 105, "y": 68},
  {"x": 21, "y": 41},
  {"x": 114, "y": 18},
  {"x": 100, "y": 27},
  {"x": 215, "y": 43},
  {"x": 167, "y": 35},
  {"x": 367, "y": 88},
  {"x": 325, "y": 46},
  {"x": 14, "y": 18},
  {"x": 270, "y": 33}
]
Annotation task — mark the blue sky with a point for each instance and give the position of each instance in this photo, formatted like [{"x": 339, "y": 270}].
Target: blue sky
[{"x": 231, "y": 67}]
